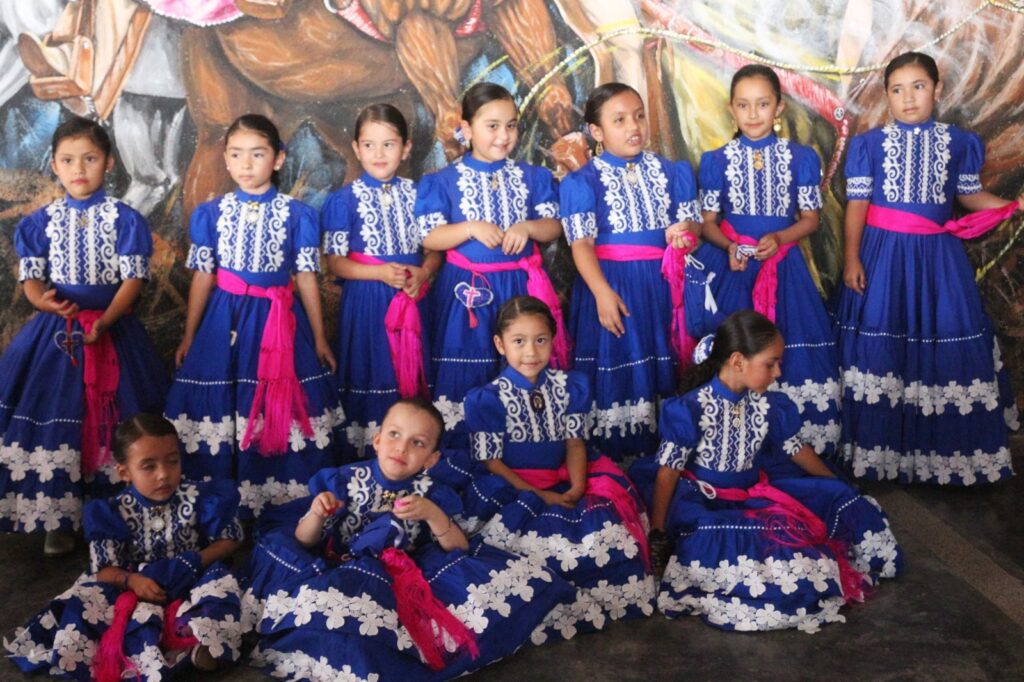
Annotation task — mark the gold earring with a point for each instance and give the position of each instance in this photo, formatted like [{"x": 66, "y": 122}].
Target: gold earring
[
  {"x": 598, "y": 148},
  {"x": 777, "y": 125}
]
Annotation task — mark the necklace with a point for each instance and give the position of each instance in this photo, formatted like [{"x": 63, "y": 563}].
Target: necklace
[
  {"x": 758, "y": 160},
  {"x": 632, "y": 177},
  {"x": 386, "y": 500},
  {"x": 537, "y": 402},
  {"x": 494, "y": 181}
]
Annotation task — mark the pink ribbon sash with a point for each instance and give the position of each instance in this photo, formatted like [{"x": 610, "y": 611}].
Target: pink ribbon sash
[
  {"x": 791, "y": 524},
  {"x": 766, "y": 283},
  {"x": 110, "y": 662},
  {"x": 673, "y": 270},
  {"x": 101, "y": 373},
  {"x": 405, "y": 335},
  {"x": 537, "y": 284},
  {"x": 600, "y": 483},
  {"x": 279, "y": 397},
  {"x": 968, "y": 227}
]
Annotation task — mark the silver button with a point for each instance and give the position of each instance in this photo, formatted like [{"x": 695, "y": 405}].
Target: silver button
[{"x": 158, "y": 524}]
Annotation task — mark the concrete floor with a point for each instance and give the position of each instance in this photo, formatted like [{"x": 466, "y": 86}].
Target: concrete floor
[{"x": 956, "y": 614}]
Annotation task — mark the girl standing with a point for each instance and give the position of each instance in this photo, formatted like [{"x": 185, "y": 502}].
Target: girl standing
[
  {"x": 255, "y": 399},
  {"x": 619, "y": 212},
  {"x": 486, "y": 211},
  {"x": 760, "y": 197},
  {"x": 926, "y": 398},
  {"x": 372, "y": 242},
  {"x": 85, "y": 345}
]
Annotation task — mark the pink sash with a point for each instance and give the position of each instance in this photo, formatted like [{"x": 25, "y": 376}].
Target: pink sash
[
  {"x": 537, "y": 284},
  {"x": 101, "y": 373},
  {"x": 766, "y": 283},
  {"x": 110, "y": 662},
  {"x": 673, "y": 269},
  {"x": 599, "y": 484},
  {"x": 279, "y": 397},
  {"x": 968, "y": 227},
  {"x": 405, "y": 335},
  {"x": 791, "y": 524}
]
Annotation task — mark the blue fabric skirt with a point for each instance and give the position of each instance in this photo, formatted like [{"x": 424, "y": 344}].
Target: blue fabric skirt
[
  {"x": 42, "y": 401},
  {"x": 630, "y": 374},
  {"x": 925, "y": 395},
  {"x": 212, "y": 394}
]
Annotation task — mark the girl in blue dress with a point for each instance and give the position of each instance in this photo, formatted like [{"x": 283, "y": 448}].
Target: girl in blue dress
[
  {"x": 341, "y": 593},
  {"x": 372, "y": 242},
  {"x": 620, "y": 211},
  {"x": 487, "y": 212},
  {"x": 925, "y": 395},
  {"x": 745, "y": 550},
  {"x": 157, "y": 598},
  {"x": 84, "y": 345},
  {"x": 760, "y": 195},
  {"x": 255, "y": 399},
  {"x": 551, "y": 499}
]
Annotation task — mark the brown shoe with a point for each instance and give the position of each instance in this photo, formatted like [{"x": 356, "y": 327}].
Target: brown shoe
[
  {"x": 202, "y": 659},
  {"x": 40, "y": 59},
  {"x": 58, "y": 542}
]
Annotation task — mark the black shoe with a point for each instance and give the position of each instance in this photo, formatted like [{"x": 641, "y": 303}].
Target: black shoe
[{"x": 661, "y": 551}]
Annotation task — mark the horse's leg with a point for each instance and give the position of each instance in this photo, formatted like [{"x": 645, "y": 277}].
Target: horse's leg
[{"x": 144, "y": 130}]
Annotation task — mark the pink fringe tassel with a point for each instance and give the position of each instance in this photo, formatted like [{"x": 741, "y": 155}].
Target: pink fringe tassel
[
  {"x": 110, "y": 662},
  {"x": 405, "y": 339},
  {"x": 101, "y": 373},
  {"x": 673, "y": 269},
  {"x": 171, "y": 639}
]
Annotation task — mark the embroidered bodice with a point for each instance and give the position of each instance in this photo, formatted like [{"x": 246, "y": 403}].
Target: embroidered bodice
[{"x": 371, "y": 217}]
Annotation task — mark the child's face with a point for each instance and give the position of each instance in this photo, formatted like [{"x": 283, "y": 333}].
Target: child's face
[
  {"x": 760, "y": 371},
  {"x": 912, "y": 94},
  {"x": 153, "y": 466},
  {"x": 755, "y": 107},
  {"x": 380, "y": 150},
  {"x": 251, "y": 161},
  {"x": 80, "y": 166},
  {"x": 526, "y": 345},
  {"x": 494, "y": 130},
  {"x": 623, "y": 125},
  {"x": 406, "y": 443}
]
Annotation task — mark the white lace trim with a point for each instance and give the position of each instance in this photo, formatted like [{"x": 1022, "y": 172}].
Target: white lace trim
[
  {"x": 929, "y": 467},
  {"x": 300, "y": 666},
  {"x": 876, "y": 546},
  {"x": 627, "y": 418},
  {"x": 824, "y": 396},
  {"x": 580, "y": 226},
  {"x": 596, "y": 605},
  {"x": 228, "y": 432},
  {"x": 929, "y": 399},
  {"x": 860, "y": 187},
  {"x": 597, "y": 546},
  {"x": 256, "y": 496}
]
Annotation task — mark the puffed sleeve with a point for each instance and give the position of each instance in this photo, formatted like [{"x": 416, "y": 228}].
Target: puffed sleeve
[
  {"x": 218, "y": 511},
  {"x": 332, "y": 479},
  {"x": 579, "y": 416},
  {"x": 808, "y": 179},
  {"x": 578, "y": 207},
  {"x": 684, "y": 193},
  {"x": 445, "y": 498},
  {"x": 711, "y": 179},
  {"x": 968, "y": 179},
  {"x": 33, "y": 247},
  {"x": 306, "y": 240},
  {"x": 202, "y": 231},
  {"x": 680, "y": 432},
  {"x": 543, "y": 193},
  {"x": 485, "y": 419},
  {"x": 134, "y": 243},
  {"x": 107, "y": 534},
  {"x": 859, "y": 177},
  {"x": 432, "y": 208},
  {"x": 784, "y": 423},
  {"x": 336, "y": 220}
]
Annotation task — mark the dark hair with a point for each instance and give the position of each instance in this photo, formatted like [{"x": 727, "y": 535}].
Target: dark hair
[
  {"x": 600, "y": 95},
  {"x": 76, "y": 126},
  {"x": 522, "y": 306},
  {"x": 131, "y": 430},
  {"x": 745, "y": 332},
  {"x": 382, "y": 113},
  {"x": 908, "y": 58},
  {"x": 480, "y": 94},
  {"x": 262, "y": 126},
  {"x": 756, "y": 71},
  {"x": 423, "y": 405}
]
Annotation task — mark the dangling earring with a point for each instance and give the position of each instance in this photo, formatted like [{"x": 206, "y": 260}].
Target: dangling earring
[
  {"x": 598, "y": 148},
  {"x": 777, "y": 125}
]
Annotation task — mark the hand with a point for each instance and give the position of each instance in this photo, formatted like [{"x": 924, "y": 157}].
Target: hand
[
  {"x": 182, "y": 351},
  {"x": 145, "y": 588},
  {"x": 488, "y": 234},
  {"x": 682, "y": 235},
  {"x": 49, "y": 303},
  {"x": 1020, "y": 203},
  {"x": 393, "y": 274},
  {"x": 417, "y": 276},
  {"x": 326, "y": 505},
  {"x": 574, "y": 495},
  {"x": 853, "y": 275},
  {"x": 737, "y": 261},
  {"x": 553, "y": 498},
  {"x": 767, "y": 246},
  {"x": 415, "y": 508},
  {"x": 93, "y": 335},
  {"x": 515, "y": 240},
  {"x": 324, "y": 354},
  {"x": 610, "y": 310}
]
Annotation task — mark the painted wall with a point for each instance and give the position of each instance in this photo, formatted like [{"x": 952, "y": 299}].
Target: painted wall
[{"x": 189, "y": 67}]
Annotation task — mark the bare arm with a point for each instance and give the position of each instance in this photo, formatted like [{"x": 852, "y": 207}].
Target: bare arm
[
  {"x": 45, "y": 300},
  {"x": 576, "y": 463},
  {"x": 122, "y": 303},
  {"x": 446, "y": 532},
  {"x": 309, "y": 294},
  {"x": 985, "y": 200},
  {"x": 664, "y": 488},
  {"x": 809, "y": 461},
  {"x": 198, "y": 296},
  {"x": 445, "y": 237},
  {"x": 853, "y": 231},
  {"x": 218, "y": 550},
  {"x": 610, "y": 307}
]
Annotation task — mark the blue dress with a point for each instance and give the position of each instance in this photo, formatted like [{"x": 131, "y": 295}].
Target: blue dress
[
  {"x": 161, "y": 541},
  {"x": 727, "y": 568},
  {"x": 329, "y": 612},
  {"x": 503, "y": 193},
  {"x": 627, "y": 202},
  {"x": 588, "y": 545},
  {"x": 262, "y": 239},
  {"x": 86, "y": 249},
  {"x": 756, "y": 202},
  {"x": 925, "y": 395},
  {"x": 375, "y": 219}
]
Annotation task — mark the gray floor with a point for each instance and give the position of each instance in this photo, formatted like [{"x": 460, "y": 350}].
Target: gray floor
[{"x": 957, "y": 613}]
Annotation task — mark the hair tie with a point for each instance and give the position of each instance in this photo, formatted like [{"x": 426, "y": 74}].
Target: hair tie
[
  {"x": 703, "y": 349},
  {"x": 460, "y": 136}
]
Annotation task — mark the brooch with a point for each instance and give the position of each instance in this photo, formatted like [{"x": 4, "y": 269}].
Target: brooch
[
  {"x": 758, "y": 160},
  {"x": 537, "y": 400},
  {"x": 386, "y": 199},
  {"x": 632, "y": 176}
]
